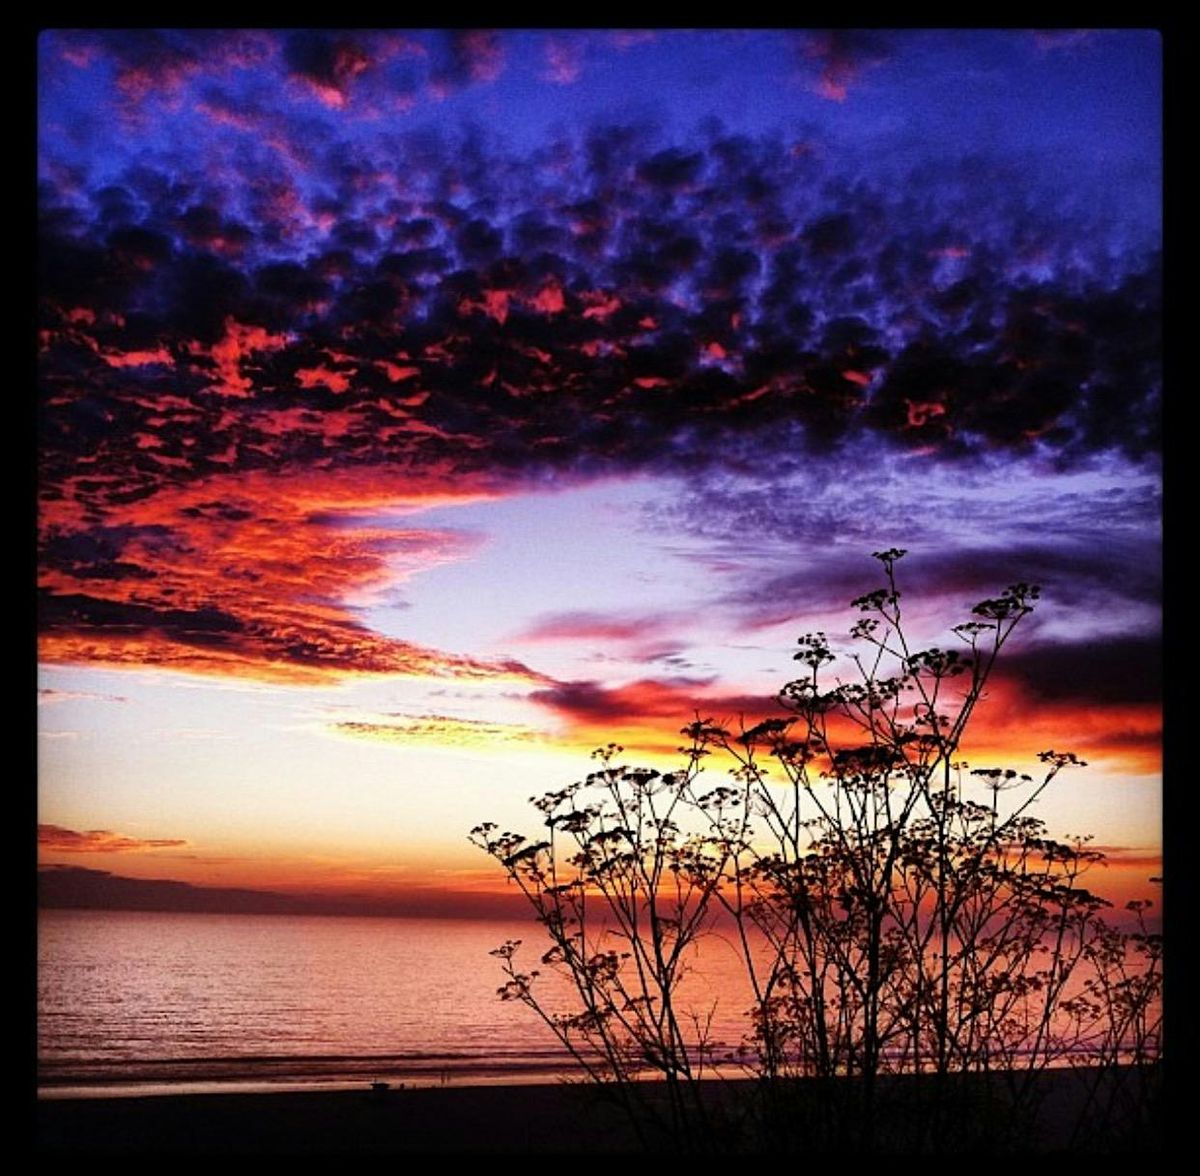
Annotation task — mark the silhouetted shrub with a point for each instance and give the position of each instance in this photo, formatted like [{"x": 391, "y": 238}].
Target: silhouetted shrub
[{"x": 897, "y": 913}]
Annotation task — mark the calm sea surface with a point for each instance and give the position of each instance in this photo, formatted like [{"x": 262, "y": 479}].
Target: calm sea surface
[{"x": 137, "y": 1001}]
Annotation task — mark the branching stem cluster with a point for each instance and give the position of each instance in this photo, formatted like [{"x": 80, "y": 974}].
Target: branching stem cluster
[{"x": 895, "y": 910}]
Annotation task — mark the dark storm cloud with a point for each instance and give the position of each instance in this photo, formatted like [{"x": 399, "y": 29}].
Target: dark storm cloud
[
  {"x": 282, "y": 296},
  {"x": 95, "y": 553},
  {"x": 1109, "y": 582},
  {"x": 201, "y": 626},
  {"x": 696, "y": 319},
  {"x": 1115, "y": 670},
  {"x": 1070, "y": 572}
]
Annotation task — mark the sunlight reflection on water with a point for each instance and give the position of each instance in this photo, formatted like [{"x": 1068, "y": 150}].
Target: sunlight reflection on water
[{"x": 197, "y": 999}]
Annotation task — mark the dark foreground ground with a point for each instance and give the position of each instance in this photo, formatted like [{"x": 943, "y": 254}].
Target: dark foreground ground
[{"x": 1073, "y": 1114}]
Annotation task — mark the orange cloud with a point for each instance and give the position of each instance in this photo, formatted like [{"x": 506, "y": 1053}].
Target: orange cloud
[
  {"x": 1124, "y": 736},
  {"x": 1007, "y": 728},
  {"x": 252, "y": 574},
  {"x": 440, "y": 730},
  {"x": 56, "y": 839}
]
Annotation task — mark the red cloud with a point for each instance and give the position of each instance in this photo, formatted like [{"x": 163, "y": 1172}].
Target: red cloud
[
  {"x": 564, "y": 60},
  {"x": 327, "y": 65},
  {"x": 253, "y": 574},
  {"x": 645, "y": 715},
  {"x": 240, "y": 343},
  {"x": 843, "y": 55},
  {"x": 585, "y": 626},
  {"x": 335, "y": 381},
  {"x": 119, "y": 359},
  {"x": 484, "y": 54},
  {"x": 549, "y": 299}
]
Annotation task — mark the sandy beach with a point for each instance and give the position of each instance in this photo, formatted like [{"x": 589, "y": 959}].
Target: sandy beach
[
  {"x": 519, "y": 1119},
  {"x": 481, "y": 1119}
]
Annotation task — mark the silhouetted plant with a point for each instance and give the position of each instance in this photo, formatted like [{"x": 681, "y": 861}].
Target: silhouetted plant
[
  {"x": 897, "y": 912},
  {"x": 616, "y": 868}
]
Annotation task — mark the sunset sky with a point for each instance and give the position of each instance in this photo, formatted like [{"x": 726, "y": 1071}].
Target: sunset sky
[{"x": 419, "y": 410}]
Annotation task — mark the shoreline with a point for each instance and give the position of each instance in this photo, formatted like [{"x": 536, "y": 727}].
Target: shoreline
[
  {"x": 530, "y": 1118},
  {"x": 299, "y": 1075},
  {"x": 150, "y": 1088}
]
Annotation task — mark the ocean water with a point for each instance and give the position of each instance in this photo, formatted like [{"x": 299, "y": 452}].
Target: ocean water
[{"x": 142, "y": 1001}]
